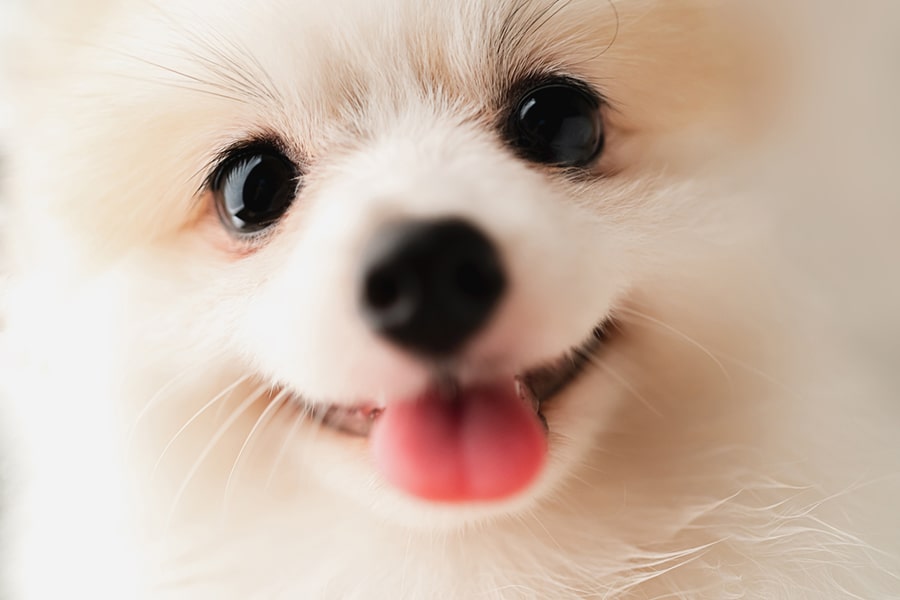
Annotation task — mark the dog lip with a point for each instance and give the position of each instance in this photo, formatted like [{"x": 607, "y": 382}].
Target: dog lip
[
  {"x": 355, "y": 419},
  {"x": 537, "y": 386},
  {"x": 548, "y": 380}
]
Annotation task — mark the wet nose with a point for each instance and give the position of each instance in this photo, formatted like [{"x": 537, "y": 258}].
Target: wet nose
[{"x": 429, "y": 286}]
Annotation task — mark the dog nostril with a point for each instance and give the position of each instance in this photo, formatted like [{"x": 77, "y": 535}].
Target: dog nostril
[
  {"x": 429, "y": 286},
  {"x": 391, "y": 293},
  {"x": 382, "y": 290}
]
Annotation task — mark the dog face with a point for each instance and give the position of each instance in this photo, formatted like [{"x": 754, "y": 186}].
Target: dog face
[
  {"x": 331, "y": 217},
  {"x": 418, "y": 299}
]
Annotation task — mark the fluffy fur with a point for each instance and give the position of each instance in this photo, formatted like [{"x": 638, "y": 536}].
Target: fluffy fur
[{"x": 709, "y": 453}]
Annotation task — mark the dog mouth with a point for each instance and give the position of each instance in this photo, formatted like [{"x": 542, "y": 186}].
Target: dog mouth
[
  {"x": 479, "y": 442},
  {"x": 535, "y": 387}
]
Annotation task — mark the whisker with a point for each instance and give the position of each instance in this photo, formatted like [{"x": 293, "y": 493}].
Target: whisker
[
  {"x": 684, "y": 336},
  {"x": 278, "y": 402},
  {"x": 302, "y": 414},
  {"x": 528, "y": 29},
  {"x": 154, "y": 400},
  {"x": 210, "y": 445},
  {"x": 317, "y": 419},
  {"x": 749, "y": 368},
  {"x": 725, "y": 357},
  {"x": 217, "y": 398},
  {"x": 626, "y": 384}
]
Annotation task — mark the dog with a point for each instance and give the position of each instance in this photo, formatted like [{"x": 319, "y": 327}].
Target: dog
[{"x": 418, "y": 299}]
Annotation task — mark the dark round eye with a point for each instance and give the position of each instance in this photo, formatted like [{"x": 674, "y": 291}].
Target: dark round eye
[
  {"x": 558, "y": 124},
  {"x": 254, "y": 188}
]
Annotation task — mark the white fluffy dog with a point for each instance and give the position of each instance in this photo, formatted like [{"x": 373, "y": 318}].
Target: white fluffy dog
[{"x": 417, "y": 299}]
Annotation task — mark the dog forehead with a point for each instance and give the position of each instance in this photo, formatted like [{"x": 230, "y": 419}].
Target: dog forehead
[
  {"x": 419, "y": 33},
  {"x": 297, "y": 65},
  {"x": 350, "y": 56}
]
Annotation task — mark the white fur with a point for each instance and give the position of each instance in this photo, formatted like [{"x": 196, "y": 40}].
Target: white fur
[{"x": 709, "y": 454}]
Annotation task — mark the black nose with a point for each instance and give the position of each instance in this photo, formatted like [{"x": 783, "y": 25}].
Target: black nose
[{"x": 430, "y": 285}]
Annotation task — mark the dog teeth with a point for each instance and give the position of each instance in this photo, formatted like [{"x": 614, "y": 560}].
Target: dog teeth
[
  {"x": 371, "y": 412},
  {"x": 354, "y": 420},
  {"x": 527, "y": 394}
]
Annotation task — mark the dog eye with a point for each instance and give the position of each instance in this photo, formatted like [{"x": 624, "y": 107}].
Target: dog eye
[
  {"x": 253, "y": 188},
  {"x": 558, "y": 124}
]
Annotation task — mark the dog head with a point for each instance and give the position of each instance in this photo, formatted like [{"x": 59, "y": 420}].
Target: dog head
[{"x": 375, "y": 220}]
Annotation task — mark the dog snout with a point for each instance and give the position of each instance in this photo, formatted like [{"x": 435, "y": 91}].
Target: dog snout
[{"x": 429, "y": 286}]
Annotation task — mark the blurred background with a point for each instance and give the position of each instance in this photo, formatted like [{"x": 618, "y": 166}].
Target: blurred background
[{"x": 834, "y": 176}]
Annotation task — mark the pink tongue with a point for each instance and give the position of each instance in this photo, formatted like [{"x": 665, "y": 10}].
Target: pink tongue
[{"x": 485, "y": 444}]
